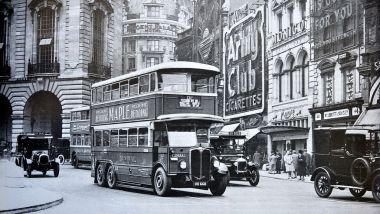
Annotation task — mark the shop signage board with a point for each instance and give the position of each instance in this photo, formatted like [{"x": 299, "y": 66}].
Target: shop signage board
[
  {"x": 123, "y": 112},
  {"x": 244, "y": 64},
  {"x": 338, "y": 113},
  {"x": 335, "y": 27}
]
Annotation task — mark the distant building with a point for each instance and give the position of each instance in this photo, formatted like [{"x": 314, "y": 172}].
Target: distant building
[
  {"x": 50, "y": 53},
  {"x": 150, "y": 29}
]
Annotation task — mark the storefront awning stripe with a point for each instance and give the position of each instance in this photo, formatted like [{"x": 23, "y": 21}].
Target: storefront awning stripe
[
  {"x": 228, "y": 128},
  {"x": 369, "y": 117},
  {"x": 276, "y": 129},
  {"x": 250, "y": 133}
]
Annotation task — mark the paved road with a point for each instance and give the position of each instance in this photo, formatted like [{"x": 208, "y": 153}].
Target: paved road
[{"x": 270, "y": 196}]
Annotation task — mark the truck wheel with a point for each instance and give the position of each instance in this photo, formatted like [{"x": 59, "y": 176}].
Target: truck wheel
[
  {"x": 322, "y": 185},
  {"x": 360, "y": 171},
  {"x": 56, "y": 170},
  {"x": 376, "y": 188},
  {"x": 162, "y": 183},
  {"x": 218, "y": 186},
  {"x": 111, "y": 177},
  {"x": 357, "y": 193},
  {"x": 29, "y": 171},
  {"x": 254, "y": 177},
  {"x": 101, "y": 175},
  {"x": 61, "y": 159}
]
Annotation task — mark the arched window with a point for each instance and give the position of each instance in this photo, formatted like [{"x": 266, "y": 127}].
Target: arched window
[
  {"x": 98, "y": 37},
  {"x": 305, "y": 75},
  {"x": 281, "y": 82},
  {"x": 45, "y": 39},
  {"x": 293, "y": 79},
  {"x": 4, "y": 67}
]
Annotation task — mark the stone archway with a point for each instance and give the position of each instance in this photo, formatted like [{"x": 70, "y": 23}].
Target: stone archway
[
  {"x": 42, "y": 113},
  {"x": 5, "y": 123}
]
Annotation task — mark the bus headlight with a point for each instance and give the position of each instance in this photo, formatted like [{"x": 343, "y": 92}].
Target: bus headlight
[{"x": 182, "y": 164}]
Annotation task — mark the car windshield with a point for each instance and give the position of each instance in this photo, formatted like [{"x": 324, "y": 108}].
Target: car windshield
[
  {"x": 228, "y": 146},
  {"x": 180, "y": 138},
  {"x": 38, "y": 144},
  {"x": 358, "y": 145}
]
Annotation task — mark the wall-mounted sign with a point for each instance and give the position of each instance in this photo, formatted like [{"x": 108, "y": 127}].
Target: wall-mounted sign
[
  {"x": 242, "y": 12},
  {"x": 336, "y": 114},
  {"x": 377, "y": 66},
  {"x": 244, "y": 60},
  {"x": 122, "y": 112},
  {"x": 160, "y": 28},
  {"x": 335, "y": 26},
  {"x": 80, "y": 126},
  {"x": 290, "y": 31},
  {"x": 318, "y": 116},
  {"x": 189, "y": 102}
]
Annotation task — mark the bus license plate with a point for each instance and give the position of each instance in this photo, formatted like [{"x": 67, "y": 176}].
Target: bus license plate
[{"x": 200, "y": 183}]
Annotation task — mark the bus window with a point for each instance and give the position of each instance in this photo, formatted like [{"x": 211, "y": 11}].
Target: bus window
[
  {"x": 115, "y": 94},
  {"x": 98, "y": 138},
  {"x": 86, "y": 140},
  {"x": 84, "y": 115},
  {"x": 107, "y": 93},
  {"x": 124, "y": 86},
  {"x": 211, "y": 85},
  {"x": 199, "y": 84},
  {"x": 114, "y": 138},
  {"x": 202, "y": 135},
  {"x": 132, "y": 137},
  {"x": 123, "y": 138},
  {"x": 99, "y": 95},
  {"x": 133, "y": 87},
  {"x": 173, "y": 82},
  {"x": 144, "y": 84},
  {"x": 74, "y": 140},
  {"x": 143, "y": 137},
  {"x": 106, "y": 138},
  {"x": 153, "y": 82}
]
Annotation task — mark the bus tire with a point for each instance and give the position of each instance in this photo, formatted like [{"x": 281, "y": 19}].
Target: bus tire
[
  {"x": 218, "y": 186},
  {"x": 61, "y": 159},
  {"x": 101, "y": 175},
  {"x": 111, "y": 177},
  {"x": 162, "y": 183},
  {"x": 75, "y": 163}
]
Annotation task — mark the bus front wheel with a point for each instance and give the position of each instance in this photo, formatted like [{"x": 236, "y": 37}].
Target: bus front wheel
[
  {"x": 162, "y": 183},
  {"x": 218, "y": 186}
]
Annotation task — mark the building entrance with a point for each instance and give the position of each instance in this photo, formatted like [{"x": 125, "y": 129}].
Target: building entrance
[{"x": 5, "y": 122}]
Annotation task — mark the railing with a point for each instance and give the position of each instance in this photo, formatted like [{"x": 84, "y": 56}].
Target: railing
[
  {"x": 5, "y": 71},
  {"x": 43, "y": 69},
  {"x": 99, "y": 71}
]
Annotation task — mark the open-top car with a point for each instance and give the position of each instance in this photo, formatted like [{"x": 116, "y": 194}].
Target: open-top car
[
  {"x": 232, "y": 153},
  {"x": 347, "y": 157},
  {"x": 34, "y": 154}
]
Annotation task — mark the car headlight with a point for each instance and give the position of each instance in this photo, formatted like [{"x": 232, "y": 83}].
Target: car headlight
[
  {"x": 182, "y": 164},
  {"x": 216, "y": 163},
  {"x": 235, "y": 163}
]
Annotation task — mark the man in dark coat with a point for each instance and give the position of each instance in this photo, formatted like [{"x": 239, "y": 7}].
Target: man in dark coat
[{"x": 308, "y": 162}]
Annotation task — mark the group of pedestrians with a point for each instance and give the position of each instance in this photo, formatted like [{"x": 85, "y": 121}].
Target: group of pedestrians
[
  {"x": 297, "y": 164},
  {"x": 275, "y": 163}
]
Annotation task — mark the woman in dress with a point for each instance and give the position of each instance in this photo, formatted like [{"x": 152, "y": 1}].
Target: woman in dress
[
  {"x": 301, "y": 165},
  {"x": 288, "y": 159}
]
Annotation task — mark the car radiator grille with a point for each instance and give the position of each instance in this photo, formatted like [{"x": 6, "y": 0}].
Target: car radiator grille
[
  {"x": 200, "y": 165},
  {"x": 242, "y": 166},
  {"x": 44, "y": 159}
]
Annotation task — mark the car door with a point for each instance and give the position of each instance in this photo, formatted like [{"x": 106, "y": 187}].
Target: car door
[{"x": 338, "y": 158}]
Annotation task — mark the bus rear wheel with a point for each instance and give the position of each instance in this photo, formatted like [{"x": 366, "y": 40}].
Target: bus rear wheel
[
  {"x": 111, "y": 177},
  {"x": 101, "y": 175},
  {"x": 162, "y": 183}
]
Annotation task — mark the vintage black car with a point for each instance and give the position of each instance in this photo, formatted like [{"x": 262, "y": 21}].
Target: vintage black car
[
  {"x": 233, "y": 155},
  {"x": 60, "y": 149},
  {"x": 347, "y": 158},
  {"x": 33, "y": 153}
]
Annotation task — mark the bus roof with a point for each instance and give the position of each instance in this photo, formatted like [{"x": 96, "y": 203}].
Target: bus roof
[
  {"x": 189, "y": 116},
  {"x": 162, "y": 66},
  {"x": 82, "y": 108}
]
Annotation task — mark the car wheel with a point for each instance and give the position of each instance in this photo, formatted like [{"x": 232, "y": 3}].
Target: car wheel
[
  {"x": 219, "y": 185},
  {"x": 162, "y": 183},
  {"x": 376, "y": 188},
  {"x": 360, "y": 171},
  {"x": 56, "y": 170},
  {"x": 61, "y": 159},
  {"x": 254, "y": 177},
  {"x": 357, "y": 193},
  {"x": 322, "y": 185},
  {"x": 228, "y": 177},
  {"x": 101, "y": 175},
  {"x": 111, "y": 177},
  {"x": 29, "y": 171},
  {"x": 44, "y": 173}
]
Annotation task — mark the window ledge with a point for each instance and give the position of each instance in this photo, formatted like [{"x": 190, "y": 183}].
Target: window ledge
[{"x": 290, "y": 101}]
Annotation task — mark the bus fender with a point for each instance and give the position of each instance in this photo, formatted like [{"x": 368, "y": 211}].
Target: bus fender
[
  {"x": 157, "y": 165},
  {"x": 329, "y": 172}
]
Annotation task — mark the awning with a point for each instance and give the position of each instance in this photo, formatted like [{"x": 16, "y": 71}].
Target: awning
[
  {"x": 227, "y": 129},
  {"x": 369, "y": 117},
  {"x": 276, "y": 129},
  {"x": 250, "y": 133}
]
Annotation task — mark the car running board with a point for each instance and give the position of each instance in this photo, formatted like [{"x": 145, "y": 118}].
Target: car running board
[{"x": 343, "y": 186}]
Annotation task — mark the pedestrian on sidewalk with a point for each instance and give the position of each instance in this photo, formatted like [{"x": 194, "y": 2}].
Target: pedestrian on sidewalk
[
  {"x": 278, "y": 163},
  {"x": 257, "y": 158},
  {"x": 272, "y": 162},
  {"x": 288, "y": 159},
  {"x": 295, "y": 163},
  {"x": 308, "y": 162},
  {"x": 301, "y": 165}
]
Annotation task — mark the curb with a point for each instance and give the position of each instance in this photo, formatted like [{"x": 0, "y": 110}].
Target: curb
[
  {"x": 34, "y": 208},
  {"x": 284, "y": 179}
]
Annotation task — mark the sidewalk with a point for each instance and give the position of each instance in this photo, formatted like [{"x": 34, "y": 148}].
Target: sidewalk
[
  {"x": 17, "y": 194},
  {"x": 283, "y": 176}
]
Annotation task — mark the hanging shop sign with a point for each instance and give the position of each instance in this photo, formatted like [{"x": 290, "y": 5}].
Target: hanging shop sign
[
  {"x": 244, "y": 60},
  {"x": 335, "y": 26}
]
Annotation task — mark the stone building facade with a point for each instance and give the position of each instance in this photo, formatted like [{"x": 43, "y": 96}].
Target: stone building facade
[
  {"x": 289, "y": 87},
  {"x": 150, "y": 29},
  {"x": 54, "y": 50}
]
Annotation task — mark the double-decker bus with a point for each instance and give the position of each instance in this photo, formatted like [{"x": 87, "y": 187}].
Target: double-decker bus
[
  {"x": 150, "y": 129},
  {"x": 80, "y": 145}
]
